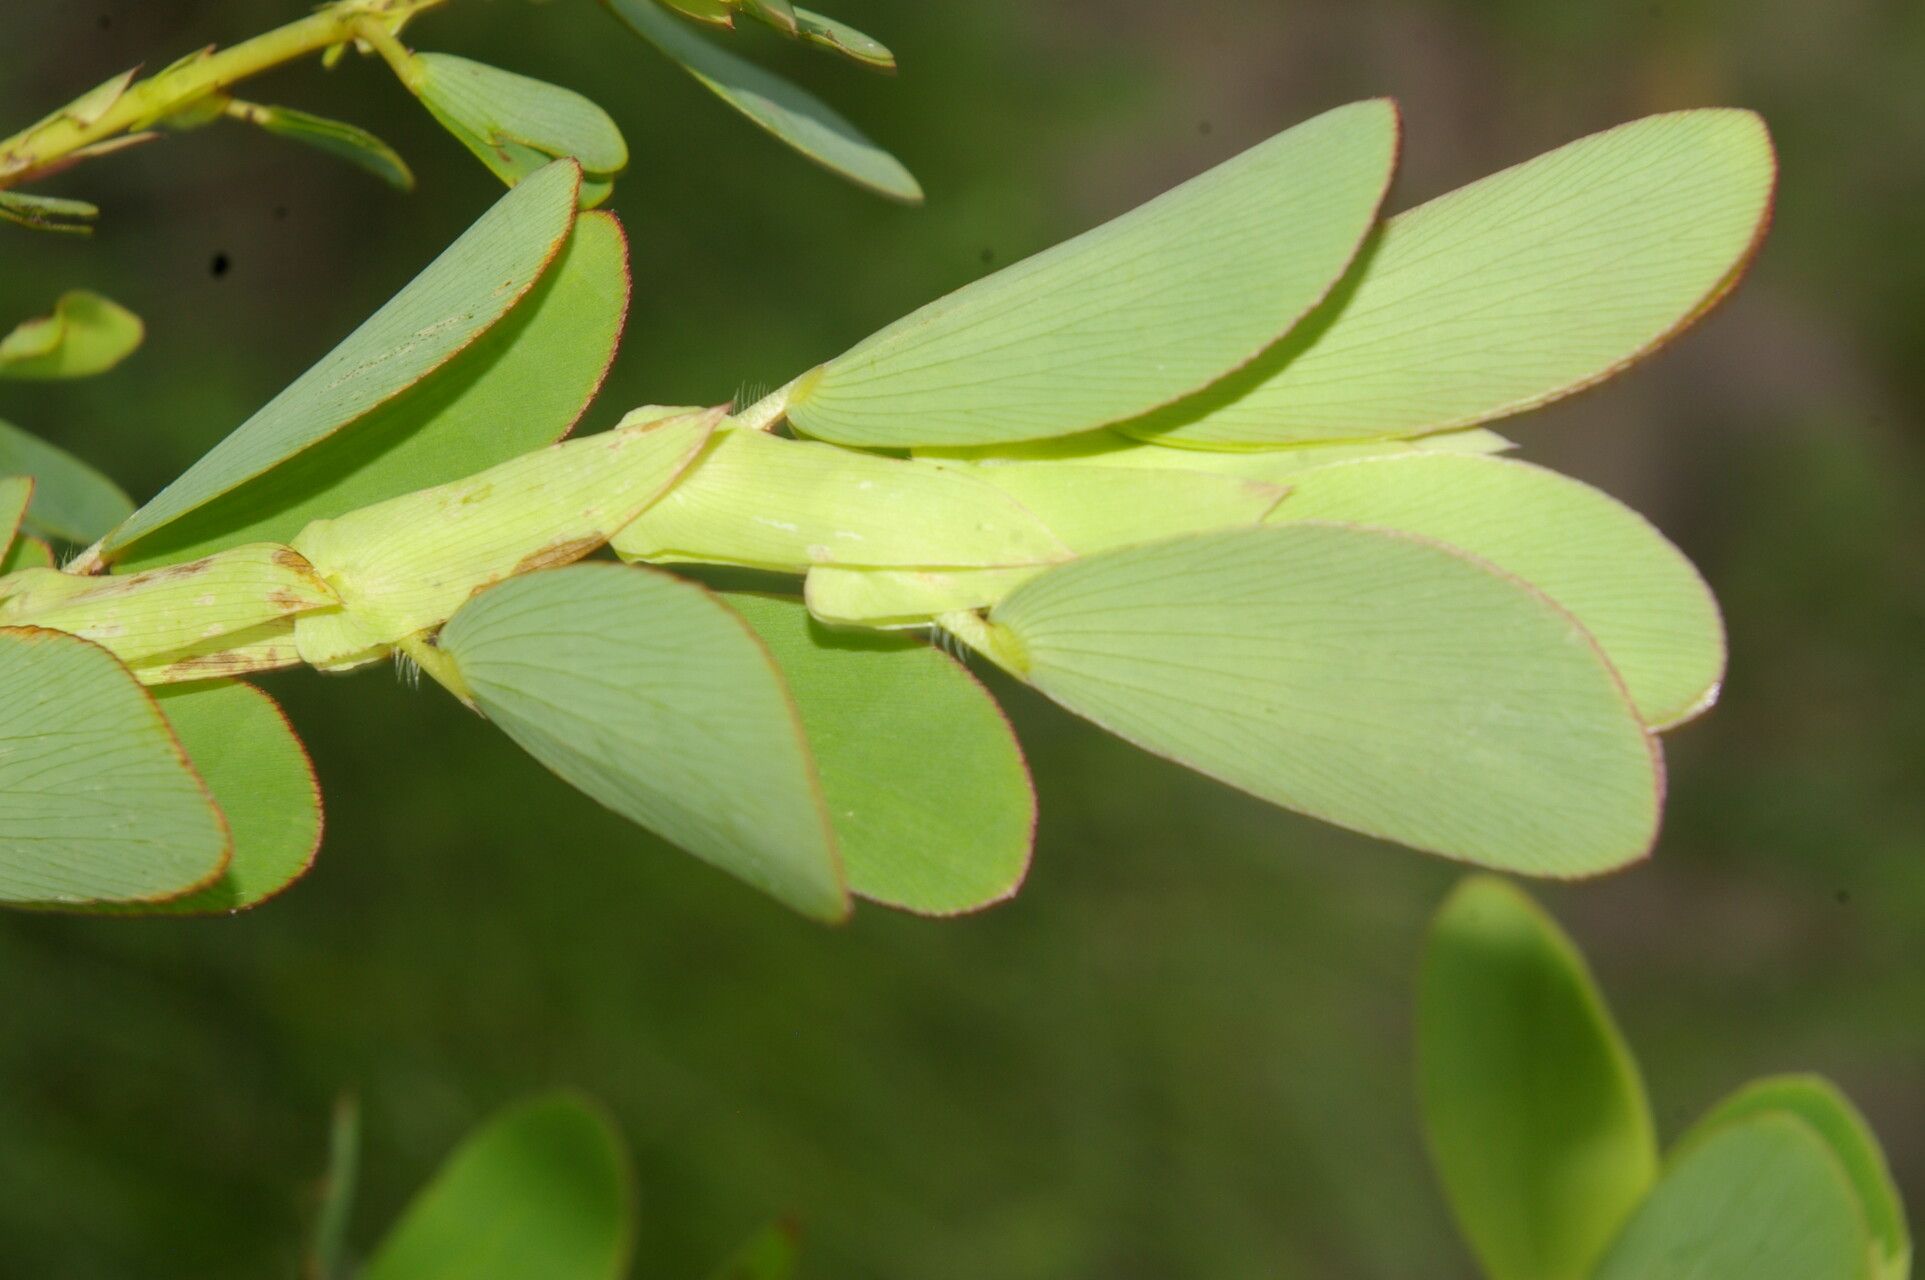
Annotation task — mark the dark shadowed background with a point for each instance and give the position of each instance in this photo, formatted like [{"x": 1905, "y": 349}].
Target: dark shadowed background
[{"x": 1185, "y": 1050}]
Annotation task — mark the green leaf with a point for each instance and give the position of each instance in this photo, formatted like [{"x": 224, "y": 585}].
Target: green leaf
[
  {"x": 71, "y": 501},
  {"x": 1110, "y": 448},
  {"x": 1818, "y": 1103},
  {"x": 543, "y": 1189},
  {"x": 15, "y": 493},
  {"x": 520, "y": 386},
  {"x": 85, "y": 335},
  {"x": 336, "y": 137},
  {"x": 461, "y": 295},
  {"x": 47, "y": 213},
  {"x": 925, "y": 782},
  {"x": 841, "y": 38},
  {"x": 1373, "y": 680},
  {"x": 402, "y": 567},
  {"x": 514, "y": 124},
  {"x": 653, "y": 698},
  {"x": 1762, "y": 1199},
  {"x": 1511, "y": 292},
  {"x": 327, "y": 1257},
  {"x": 792, "y": 115},
  {"x": 1631, "y": 589},
  {"x": 764, "y": 502},
  {"x": 718, "y": 13},
  {"x": 770, "y": 1254},
  {"x": 1533, "y": 1106},
  {"x": 779, "y": 14},
  {"x": 27, "y": 552},
  {"x": 1131, "y": 315},
  {"x": 241, "y": 743},
  {"x": 97, "y": 799}
]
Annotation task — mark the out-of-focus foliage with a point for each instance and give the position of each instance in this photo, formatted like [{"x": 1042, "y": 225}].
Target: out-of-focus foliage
[{"x": 1188, "y": 1039}]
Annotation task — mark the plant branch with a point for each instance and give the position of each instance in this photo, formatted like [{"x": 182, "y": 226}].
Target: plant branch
[{"x": 94, "y": 120}]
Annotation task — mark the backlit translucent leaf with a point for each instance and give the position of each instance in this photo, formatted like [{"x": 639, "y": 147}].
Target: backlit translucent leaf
[
  {"x": 460, "y": 296},
  {"x": 757, "y": 500},
  {"x": 336, "y": 137},
  {"x": 714, "y": 12},
  {"x": 1762, "y": 1199},
  {"x": 543, "y": 1189},
  {"x": 244, "y": 749},
  {"x": 163, "y": 615},
  {"x": 85, "y": 335},
  {"x": 71, "y": 501},
  {"x": 1535, "y": 1113},
  {"x": 405, "y": 565},
  {"x": 97, "y": 800},
  {"x": 770, "y": 1254},
  {"x": 1633, "y": 591},
  {"x": 924, "y": 779},
  {"x": 1831, "y": 1115},
  {"x": 791, "y": 114},
  {"x": 514, "y": 124},
  {"x": 1092, "y": 508},
  {"x": 651, "y": 696},
  {"x": 1511, "y": 292},
  {"x": 1128, "y": 316},
  {"x": 1370, "y": 679},
  {"x": 522, "y": 385}
]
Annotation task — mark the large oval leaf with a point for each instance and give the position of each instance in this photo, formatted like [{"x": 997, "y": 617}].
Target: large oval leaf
[
  {"x": 798, "y": 118},
  {"x": 543, "y": 1189},
  {"x": 1831, "y": 1115},
  {"x": 652, "y": 697},
  {"x": 1125, "y": 317},
  {"x": 1513, "y": 291},
  {"x": 523, "y": 384},
  {"x": 1763, "y": 1199},
  {"x": 515, "y": 124},
  {"x": 1636, "y": 593},
  {"x": 85, "y": 335},
  {"x": 461, "y": 295},
  {"x": 1374, "y": 680},
  {"x": 1533, "y": 1105},
  {"x": 925, "y": 782},
  {"x": 72, "y": 502},
  {"x": 97, "y": 799}
]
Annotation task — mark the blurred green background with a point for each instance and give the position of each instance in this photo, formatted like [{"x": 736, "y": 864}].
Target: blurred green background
[{"x": 1184, "y": 1051}]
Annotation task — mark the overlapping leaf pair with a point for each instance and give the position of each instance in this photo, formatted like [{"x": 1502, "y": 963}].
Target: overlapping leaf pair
[
  {"x": 1209, "y": 475},
  {"x": 1541, "y": 1132}
]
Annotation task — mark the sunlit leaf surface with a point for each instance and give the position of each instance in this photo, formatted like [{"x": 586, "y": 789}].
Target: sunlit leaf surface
[
  {"x": 1373, "y": 680},
  {"x": 655, "y": 699},
  {"x": 1532, "y": 1102},
  {"x": 1128, "y": 316},
  {"x": 1511, "y": 292},
  {"x": 925, "y": 782},
  {"x": 97, "y": 801},
  {"x": 543, "y": 1189},
  {"x": 461, "y": 295},
  {"x": 1761, "y": 1199},
  {"x": 791, "y": 114},
  {"x": 1635, "y": 592},
  {"x": 515, "y": 124}
]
